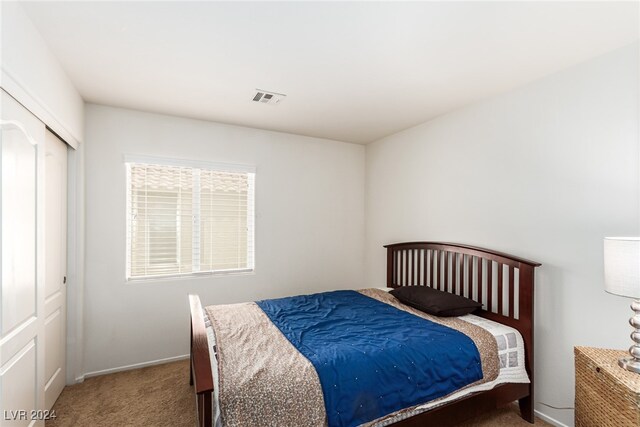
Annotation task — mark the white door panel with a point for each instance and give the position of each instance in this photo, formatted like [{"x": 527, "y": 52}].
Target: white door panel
[
  {"x": 18, "y": 229},
  {"x": 20, "y": 374},
  {"x": 53, "y": 358},
  {"x": 13, "y": 342},
  {"x": 52, "y": 326},
  {"x": 55, "y": 213},
  {"x": 55, "y": 238}
]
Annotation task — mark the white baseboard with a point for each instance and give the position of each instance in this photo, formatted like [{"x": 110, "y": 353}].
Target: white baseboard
[
  {"x": 129, "y": 367},
  {"x": 549, "y": 419}
]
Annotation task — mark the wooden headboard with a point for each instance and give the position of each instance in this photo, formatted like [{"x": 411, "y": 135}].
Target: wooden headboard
[{"x": 503, "y": 283}]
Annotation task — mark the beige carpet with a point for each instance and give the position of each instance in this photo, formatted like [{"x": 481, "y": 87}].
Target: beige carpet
[{"x": 161, "y": 396}]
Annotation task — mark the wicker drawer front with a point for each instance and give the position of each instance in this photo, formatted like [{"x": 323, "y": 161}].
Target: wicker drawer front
[{"x": 606, "y": 395}]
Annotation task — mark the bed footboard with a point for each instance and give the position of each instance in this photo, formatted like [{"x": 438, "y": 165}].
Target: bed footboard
[{"x": 200, "y": 375}]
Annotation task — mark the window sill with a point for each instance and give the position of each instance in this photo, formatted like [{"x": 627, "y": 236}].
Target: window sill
[{"x": 199, "y": 275}]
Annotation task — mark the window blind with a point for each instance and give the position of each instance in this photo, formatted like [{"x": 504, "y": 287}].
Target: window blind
[{"x": 186, "y": 220}]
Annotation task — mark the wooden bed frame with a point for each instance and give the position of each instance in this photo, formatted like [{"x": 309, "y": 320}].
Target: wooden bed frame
[{"x": 450, "y": 267}]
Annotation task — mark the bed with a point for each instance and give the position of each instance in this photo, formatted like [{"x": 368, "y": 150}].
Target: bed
[{"x": 502, "y": 283}]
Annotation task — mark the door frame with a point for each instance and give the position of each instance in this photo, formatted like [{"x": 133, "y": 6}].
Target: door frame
[{"x": 75, "y": 264}]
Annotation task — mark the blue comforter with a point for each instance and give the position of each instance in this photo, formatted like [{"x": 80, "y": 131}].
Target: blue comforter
[{"x": 373, "y": 359}]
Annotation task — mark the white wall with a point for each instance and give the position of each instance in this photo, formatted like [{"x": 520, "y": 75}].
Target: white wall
[
  {"x": 309, "y": 227},
  {"x": 545, "y": 172},
  {"x": 32, "y": 75}
]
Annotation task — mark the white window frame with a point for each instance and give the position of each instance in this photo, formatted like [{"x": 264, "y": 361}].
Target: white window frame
[{"x": 196, "y": 165}]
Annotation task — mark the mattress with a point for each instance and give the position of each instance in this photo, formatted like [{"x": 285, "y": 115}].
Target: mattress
[{"x": 511, "y": 368}]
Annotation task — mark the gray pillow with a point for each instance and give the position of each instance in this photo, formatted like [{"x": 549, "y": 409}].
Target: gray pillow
[{"x": 436, "y": 302}]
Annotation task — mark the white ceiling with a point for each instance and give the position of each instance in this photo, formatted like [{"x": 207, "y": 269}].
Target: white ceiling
[{"x": 351, "y": 71}]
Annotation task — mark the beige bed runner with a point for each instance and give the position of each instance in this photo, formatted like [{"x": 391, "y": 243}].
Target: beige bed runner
[{"x": 265, "y": 381}]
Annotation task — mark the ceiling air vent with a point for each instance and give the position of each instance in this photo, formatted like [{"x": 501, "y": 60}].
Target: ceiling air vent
[{"x": 271, "y": 98}]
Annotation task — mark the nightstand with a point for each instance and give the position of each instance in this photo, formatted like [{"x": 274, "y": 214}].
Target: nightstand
[{"x": 606, "y": 394}]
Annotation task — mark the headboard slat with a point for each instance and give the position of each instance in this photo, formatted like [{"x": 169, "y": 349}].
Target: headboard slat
[
  {"x": 408, "y": 255},
  {"x": 425, "y": 263},
  {"x": 511, "y": 292},
  {"x": 455, "y": 272},
  {"x": 479, "y": 276},
  {"x": 446, "y": 272},
  {"x": 500, "y": 288},
  {"x": 489, "y": 306},
  {"x": 459, "y": 289},
  {"x": 417, "y": 267},
  {"x": 469, "y": 287}
]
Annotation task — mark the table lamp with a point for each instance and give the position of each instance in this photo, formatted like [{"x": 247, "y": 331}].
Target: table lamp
[{"x": 622, "y": 277}]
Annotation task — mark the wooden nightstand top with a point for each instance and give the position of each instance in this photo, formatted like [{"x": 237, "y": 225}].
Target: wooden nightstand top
[{"x": 607, "y": 360}]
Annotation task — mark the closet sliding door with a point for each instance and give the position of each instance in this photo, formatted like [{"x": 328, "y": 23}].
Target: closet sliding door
[
  {"x": 55, "y": 266},
  {"x": 23, "y": 340}
]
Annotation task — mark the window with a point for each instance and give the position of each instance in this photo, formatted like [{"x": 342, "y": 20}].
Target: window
[{"x": 183, "y": 219}]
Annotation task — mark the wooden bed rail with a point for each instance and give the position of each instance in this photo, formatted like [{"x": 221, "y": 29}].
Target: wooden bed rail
[
  {"x": 200, "y": 375},
  {"x": 502, "y": 283}
]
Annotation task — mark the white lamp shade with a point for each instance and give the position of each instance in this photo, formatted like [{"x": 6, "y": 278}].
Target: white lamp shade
[{"x": 622, "y": 266}]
